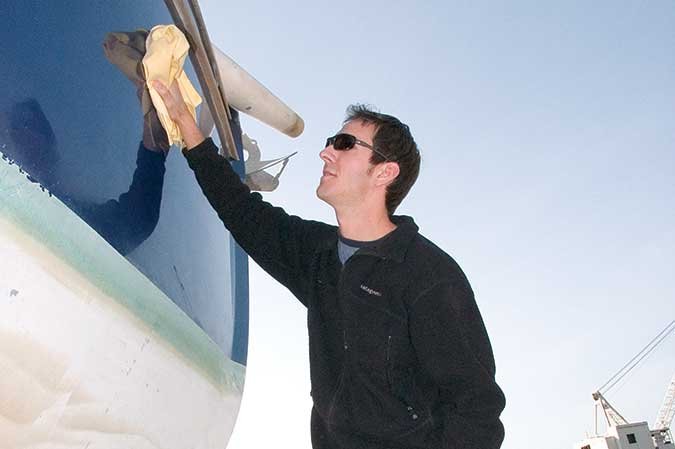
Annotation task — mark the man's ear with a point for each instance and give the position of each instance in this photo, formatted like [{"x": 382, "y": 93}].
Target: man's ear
[{"x": 386, "y": 173}]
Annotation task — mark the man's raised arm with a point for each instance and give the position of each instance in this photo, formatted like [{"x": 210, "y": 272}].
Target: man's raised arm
[{"x": 282, "y": 244}]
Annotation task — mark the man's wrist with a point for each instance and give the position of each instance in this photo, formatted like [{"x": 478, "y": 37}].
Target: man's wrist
[
  {"x": 192, "y": 135},
  {"x": 193, "y": 141}
]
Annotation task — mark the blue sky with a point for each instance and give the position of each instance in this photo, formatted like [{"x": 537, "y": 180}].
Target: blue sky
[{"x": 548, "y": 146}]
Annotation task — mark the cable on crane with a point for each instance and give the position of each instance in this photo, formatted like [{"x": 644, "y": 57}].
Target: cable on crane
[{"x": 639, "y": 356}]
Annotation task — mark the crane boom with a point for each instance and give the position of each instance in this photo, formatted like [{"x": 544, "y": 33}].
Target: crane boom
[
  {"x": 667, "y": 411},
  {"x": 614, "y": 418}
]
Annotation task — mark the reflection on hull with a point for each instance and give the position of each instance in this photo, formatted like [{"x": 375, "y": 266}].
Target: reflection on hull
[{"x": 92, "y": 354}]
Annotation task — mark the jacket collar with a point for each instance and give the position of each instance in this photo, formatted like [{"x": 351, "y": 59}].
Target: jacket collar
[{"x": 395, "y": 245}]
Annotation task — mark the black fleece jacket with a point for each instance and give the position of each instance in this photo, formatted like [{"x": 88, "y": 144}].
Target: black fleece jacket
[{"x": 399, "y": 355}]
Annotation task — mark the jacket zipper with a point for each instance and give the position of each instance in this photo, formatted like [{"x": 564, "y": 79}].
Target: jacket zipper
[
  {"x": 335, "y": 397},
  {"x": 388, "y": 367},
  {"x": 338, "y": 390}
]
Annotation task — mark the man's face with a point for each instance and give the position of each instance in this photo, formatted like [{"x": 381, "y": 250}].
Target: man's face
[{"x": 347, "y": 176}]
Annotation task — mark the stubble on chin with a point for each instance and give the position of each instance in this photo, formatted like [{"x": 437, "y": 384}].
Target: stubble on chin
[
  {"x": 322, "y": 194},
  {"x": 319, "y": 193}
]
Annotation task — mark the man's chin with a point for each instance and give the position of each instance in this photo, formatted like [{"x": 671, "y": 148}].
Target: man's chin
[
  {"x": 322, "y": 195},
  {"x": 319, "y": 193}
]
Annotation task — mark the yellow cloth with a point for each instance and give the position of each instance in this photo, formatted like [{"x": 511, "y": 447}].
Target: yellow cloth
[{"x": 165, "y": 52}]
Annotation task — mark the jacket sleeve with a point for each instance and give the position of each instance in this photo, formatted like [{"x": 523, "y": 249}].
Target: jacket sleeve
[
  {"x": 453, "y": 348},
  {"x": 282, "y": 244}
]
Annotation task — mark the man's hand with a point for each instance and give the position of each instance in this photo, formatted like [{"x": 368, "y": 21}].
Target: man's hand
[{"x": 179, "y": 113}]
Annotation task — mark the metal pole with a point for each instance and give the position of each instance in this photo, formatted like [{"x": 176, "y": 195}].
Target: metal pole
[
  {"x": 216, "y": 102},
  {"x": 206, "y": 40}
]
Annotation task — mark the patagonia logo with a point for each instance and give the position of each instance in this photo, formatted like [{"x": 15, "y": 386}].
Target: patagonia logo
[{"x": 370, "y": 291}]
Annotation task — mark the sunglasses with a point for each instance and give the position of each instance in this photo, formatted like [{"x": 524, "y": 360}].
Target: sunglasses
[{"x": 344, "y": 142}]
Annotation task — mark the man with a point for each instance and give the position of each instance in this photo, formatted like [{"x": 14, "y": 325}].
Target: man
[{"x": 399, "y": 354}]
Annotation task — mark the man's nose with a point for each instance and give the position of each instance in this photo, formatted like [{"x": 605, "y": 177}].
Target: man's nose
[{"x": 327, "y": 154}]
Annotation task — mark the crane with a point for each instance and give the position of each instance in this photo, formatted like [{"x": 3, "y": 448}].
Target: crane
[
  {"x": 665, "y": 415},
  {"x": 661, "y": 433},
  {"x": 614, "y": 418}
]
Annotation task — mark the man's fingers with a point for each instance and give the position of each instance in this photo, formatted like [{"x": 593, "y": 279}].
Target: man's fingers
[
  {"x": 171, "y": 96},
  {"x": 163, "y": 92},
  {"x": 175, "y": 90},
  {"x": 159, "y": 87}
]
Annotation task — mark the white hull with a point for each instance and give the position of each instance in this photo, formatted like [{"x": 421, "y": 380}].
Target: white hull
[{"x": 92, "y": 354}]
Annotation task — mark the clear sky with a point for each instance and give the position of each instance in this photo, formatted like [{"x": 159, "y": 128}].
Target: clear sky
[{"x": 548, "y": 144}]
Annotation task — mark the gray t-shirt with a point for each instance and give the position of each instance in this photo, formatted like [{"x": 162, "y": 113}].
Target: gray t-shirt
[{"x": 347, "y": 247}]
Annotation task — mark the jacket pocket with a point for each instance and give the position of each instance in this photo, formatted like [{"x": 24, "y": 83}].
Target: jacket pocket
[
  {"x": 404, "y": 386},
  {"x": 379, "y": 400}
]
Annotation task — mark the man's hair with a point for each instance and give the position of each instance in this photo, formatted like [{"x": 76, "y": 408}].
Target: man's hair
[{"x": 393, "y": 139}]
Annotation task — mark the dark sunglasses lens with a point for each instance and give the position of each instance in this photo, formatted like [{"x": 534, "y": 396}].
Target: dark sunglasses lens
[{"x": 344, "y": 142}]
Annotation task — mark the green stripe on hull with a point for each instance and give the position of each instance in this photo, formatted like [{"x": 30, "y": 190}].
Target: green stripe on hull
[{"x": 48, "y": 221}]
